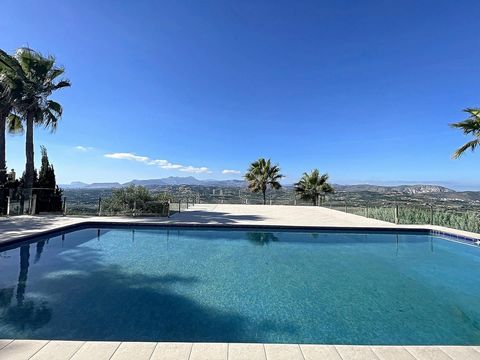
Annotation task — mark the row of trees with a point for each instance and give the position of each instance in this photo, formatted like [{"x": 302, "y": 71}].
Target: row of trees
[
  {"x": 27, "y": 80},
  {"x": 262, "y": 175}
]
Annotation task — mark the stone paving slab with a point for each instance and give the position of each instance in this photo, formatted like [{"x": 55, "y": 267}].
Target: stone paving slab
[
  {"x": 283, "y": 352},
  {"x": 134, "y": 350},
  {"x": 392, "y": 353},
  {"x": 356, "y": 352},
  {"x": 57, "y": 350},
  {"x": 320, "y": 352},
  {"x": 246, "y": 352},
  {"x": 21, "y": 349},
  {"x": 209, "y": 351},
  {"x": 172, "y": 351},
  {"x": 429, "y": 353},
  {"x": 4, "y": 343},
  {"x": 100, "y": 350},
  {"x": 461, "y": 352}
]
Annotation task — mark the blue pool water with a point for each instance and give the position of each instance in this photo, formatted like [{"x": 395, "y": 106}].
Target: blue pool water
[{"x": 242, "y": 286}]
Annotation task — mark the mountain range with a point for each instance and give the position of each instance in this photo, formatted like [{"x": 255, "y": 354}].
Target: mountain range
[
  {"x": 190, "y": 180},
  {"x": 169, "y": 181}
]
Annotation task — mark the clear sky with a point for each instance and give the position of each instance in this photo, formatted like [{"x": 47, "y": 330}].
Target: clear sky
[{"x": 363, "y": 90}]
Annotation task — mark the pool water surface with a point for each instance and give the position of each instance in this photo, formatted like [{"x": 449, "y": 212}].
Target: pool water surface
[{"x": 240, "y": 285}]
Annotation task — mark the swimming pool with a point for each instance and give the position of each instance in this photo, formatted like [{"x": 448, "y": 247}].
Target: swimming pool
[{"x": 241, "y": 285}]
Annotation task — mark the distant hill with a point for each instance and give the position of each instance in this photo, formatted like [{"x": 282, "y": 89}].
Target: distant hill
[
  {"x": 169, "y": 181},
  {"x": 113, "y": 185},
  {"x": 403, "y": 189},
  {"x": 192, "y": 181},
  {"x": 74, "y": 185},
  {"x": 172, "y": 180}
]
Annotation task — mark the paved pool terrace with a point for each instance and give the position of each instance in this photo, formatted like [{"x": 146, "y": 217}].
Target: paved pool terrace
[{"x": 22, "y": 228}]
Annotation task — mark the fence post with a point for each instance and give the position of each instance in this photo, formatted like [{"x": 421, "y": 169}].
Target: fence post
[
  {"x": 396, "y": 214},
  {"x": 431, "y": 214},
  {"x": 99, "y": 206},
  {"x": 187, "y": 202},
  {"x": 64, "y": 205},
  {"x": 179, "y": 205},
  {"x": 8, "y": 205},
  {"x": 33, "y": 204},
  {"x": 134, "y": 207},
  {"x": 345, "y": 206},
  {"x": 30, "y": 204},
  {"x": 366, "y": 211}
]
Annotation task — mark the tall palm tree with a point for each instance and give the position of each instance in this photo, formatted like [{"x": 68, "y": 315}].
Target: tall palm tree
[
  {"x": 39, "y": 76},
  {"x": 10, "y": 90},
  {"x": 469, "y": 126},
  {"x": 312, "y": 186},
  {"x": 262, "y": 175}
]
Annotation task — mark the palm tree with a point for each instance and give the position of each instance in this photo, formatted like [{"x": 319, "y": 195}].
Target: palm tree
[
  {"x": 10, "y": 90},
  {"x": 39, "y": 76},
  {"x": 469, "y": 126},
  {"x": 312, "y": 186},
  {"x": 262, "y": 175}
]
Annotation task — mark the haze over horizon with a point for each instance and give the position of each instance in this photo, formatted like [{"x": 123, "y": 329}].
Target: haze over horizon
[{"x": 364, "y": 91}]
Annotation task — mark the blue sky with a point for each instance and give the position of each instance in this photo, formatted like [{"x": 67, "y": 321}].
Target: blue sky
[{"x": 363, "y": 90}]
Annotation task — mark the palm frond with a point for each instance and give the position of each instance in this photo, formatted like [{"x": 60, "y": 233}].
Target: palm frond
[
  {"x": 14, "y": 124},
  {"x": 61, "y": 84},
  {"x": 468, "y": 126},
  {"x": 472, "y": 145}
]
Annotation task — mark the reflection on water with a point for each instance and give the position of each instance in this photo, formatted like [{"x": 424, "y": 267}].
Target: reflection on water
[
  {"x": 261, "y": 238},
  {"x": 38, "y": 253},
  {"x": 26, "y": 313},
  {"x": 23, "y": 275}
]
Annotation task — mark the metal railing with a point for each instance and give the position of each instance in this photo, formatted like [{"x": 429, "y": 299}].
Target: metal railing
[
  {"x": 428, "y": 214},
  {"x": 96, "y": 202},
  {"x": 29, "y": 201}
]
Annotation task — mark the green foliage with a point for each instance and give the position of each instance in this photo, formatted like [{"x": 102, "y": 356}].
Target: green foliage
[
  {"x": 462, "y": 220},
  {"x": 470, "y": 126},
  {"x": 135, "y": 200},
  {"x": 49, "y": 195},
  {"x": 37, "y": 78},
  {"x": 262, "y": 175},
  {"x": 312, "y": 185}
]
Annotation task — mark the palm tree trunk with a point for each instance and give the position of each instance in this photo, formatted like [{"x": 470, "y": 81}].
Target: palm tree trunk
[
  {"x": 264, "y": 197},
  {"x": 3, "y": 162},
  {"x": 29, "y": 154}
]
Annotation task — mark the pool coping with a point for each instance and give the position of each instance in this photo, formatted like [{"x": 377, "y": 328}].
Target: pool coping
[{"x": 451, "y": 234}]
